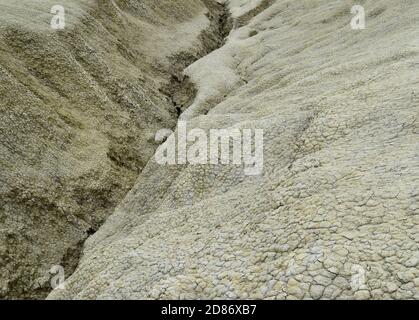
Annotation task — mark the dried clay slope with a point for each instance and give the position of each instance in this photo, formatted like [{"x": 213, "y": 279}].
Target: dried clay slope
[
  {"x": 78, "y": 112},
  {"x": 335, "y": 213}
]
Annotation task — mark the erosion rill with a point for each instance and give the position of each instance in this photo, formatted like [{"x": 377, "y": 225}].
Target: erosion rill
[{"x": 79, "y": 110}]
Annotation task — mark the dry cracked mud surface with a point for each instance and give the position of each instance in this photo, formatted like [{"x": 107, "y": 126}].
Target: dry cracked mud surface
[
  {"x": 334, "y": 214},
  {"x": 79, "y": 109}
]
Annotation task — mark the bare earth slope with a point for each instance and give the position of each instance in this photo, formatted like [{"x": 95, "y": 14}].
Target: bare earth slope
[
  {"x": 338, "y": 199},
  {"x": 335, "y": 213},
  {"x": 78, "y": 111}
]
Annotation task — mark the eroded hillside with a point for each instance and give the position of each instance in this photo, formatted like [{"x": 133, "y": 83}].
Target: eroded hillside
[
  {"x": 79, "y": 108},
  {"x": 334, "y": 214}
]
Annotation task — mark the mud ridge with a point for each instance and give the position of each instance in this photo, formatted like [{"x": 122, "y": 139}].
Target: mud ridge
[{"x": 179, "y": 89}]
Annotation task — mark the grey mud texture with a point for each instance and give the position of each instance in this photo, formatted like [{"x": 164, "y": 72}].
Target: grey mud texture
[
  {"x": 334, "y": 215},
  {"x": 79, "y": 109}
]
